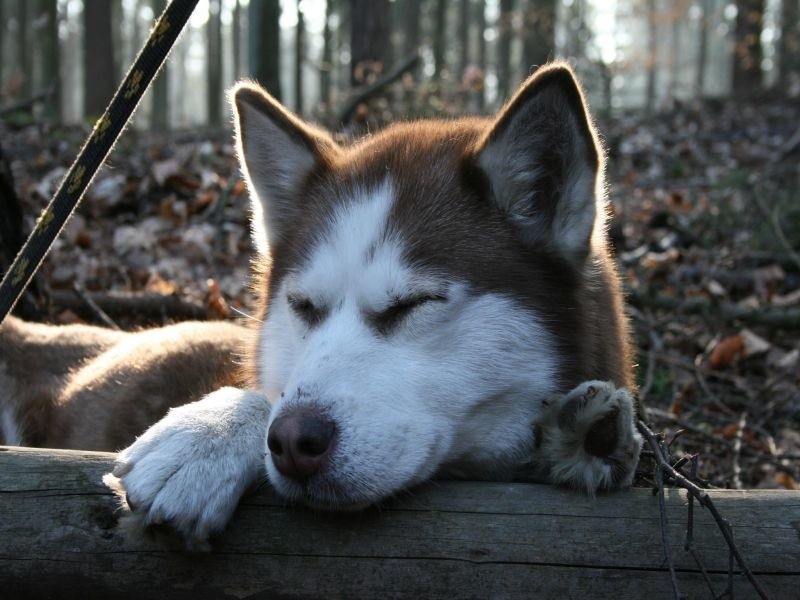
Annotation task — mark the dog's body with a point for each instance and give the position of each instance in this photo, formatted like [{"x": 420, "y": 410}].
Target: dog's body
[{"x": 430, "y": 294}]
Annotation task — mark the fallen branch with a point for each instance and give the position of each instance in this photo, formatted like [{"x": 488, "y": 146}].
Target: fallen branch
[
  {"x": 786, "y": 318},
  {"x": 374, "y": 88},
  {"x": 158, "y": 308},
  {"x": 28, "y": 103}
]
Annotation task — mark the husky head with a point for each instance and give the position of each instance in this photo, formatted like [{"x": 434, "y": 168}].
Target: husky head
[{"x": 425, "y": 288}]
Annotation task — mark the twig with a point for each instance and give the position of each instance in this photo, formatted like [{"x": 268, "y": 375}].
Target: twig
[
  {"x": 677, "y": 478},
  {"x": 688, "y": 544},
  {"x": 366, "y": 93},
  {"x": 658, "y": 475},
  {"x": 737, "y": 451},
  {"x": 98, "y": 312},
  {"x": 774, "y": 219}
]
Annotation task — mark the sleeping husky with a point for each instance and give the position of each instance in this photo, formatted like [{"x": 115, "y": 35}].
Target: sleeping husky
[{"x": 438, "y": 300}]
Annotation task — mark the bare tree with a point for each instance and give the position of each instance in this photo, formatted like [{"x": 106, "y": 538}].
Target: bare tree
[
  {"x": 504, "y": 36},
  {"x": 538, "y": 32},
  {"x": 299, "y": 56},
  {"x": 411, "y": 33},
  {"x": 789, "y": 50},
  {"x": 439, "y": 27},
  {"x": 326, "y": 68},
  {"x": 463, "y": 34},
  {"x": 159, "y": 115},
  {"x": 236, "y": 38},
  {"x": 24, "y": 57},
  {"x": 480, "y": 20},
  {"x": 264, "y": 44},
  {"x": 50, "y": 54},
  {"x": 2, "y": 42},
  {"x": 652, "y": 56},
  {"x": 706, "y": 6},
  {"x": 214, "y": 62},
  {"x": 747, "y": 46},
  {"x": 99, "y": 79},
  {"x": 370, "y": 39}
]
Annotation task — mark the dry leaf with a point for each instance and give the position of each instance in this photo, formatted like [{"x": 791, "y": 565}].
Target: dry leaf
[
  {"x": 753, "y": 344},
  {"x": 786, "y": 481},
  {"x": 726, "y": 352}
]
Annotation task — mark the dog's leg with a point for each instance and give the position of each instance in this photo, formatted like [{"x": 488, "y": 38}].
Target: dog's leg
[
  {"x": 189, "y": 470},
  {"x": 588, "y": 438}
]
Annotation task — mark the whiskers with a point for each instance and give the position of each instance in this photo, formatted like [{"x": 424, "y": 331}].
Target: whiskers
[{"x": 241, "y": 313}]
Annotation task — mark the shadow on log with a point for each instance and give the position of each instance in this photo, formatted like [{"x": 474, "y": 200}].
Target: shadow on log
[{"x": 444, "y": 540}]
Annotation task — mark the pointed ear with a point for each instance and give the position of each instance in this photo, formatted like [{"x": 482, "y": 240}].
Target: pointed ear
[
  {"x": 277, "y": 152},
  {"x": 542, "y": 160}
]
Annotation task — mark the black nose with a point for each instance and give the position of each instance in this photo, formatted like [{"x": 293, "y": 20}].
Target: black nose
[{"x": 300, "y": 442}]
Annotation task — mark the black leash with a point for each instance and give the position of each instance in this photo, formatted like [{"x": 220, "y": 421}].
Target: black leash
[{"x": 106, "y": 131}]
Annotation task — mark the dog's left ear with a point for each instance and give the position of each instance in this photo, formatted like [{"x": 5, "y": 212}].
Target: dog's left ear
[{"x": 542, "y": 160}]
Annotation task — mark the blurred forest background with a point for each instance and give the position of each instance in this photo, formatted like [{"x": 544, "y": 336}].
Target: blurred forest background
[
  {"x": 697, "y": 102},
  {"x": 631, "y": 54}
]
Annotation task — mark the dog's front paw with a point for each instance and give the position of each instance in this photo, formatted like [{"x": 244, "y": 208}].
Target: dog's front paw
[
  {"x": 589, "y": 438},
  {"x": 189, "y": 470}
]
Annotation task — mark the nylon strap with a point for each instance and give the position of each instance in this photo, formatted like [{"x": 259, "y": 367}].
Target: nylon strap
[{"x": 106, "y": 131}]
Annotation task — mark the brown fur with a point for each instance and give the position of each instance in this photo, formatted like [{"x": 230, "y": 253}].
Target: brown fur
[{"x": 91, "y": 388}]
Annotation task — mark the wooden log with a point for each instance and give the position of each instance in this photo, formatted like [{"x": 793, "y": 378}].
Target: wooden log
[{"x": 442, "y": 540}]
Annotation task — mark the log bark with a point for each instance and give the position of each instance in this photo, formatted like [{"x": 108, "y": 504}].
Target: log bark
[{"x": 443, "y": 540}]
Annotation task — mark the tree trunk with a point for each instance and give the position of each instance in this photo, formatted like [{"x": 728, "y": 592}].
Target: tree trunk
[
  {"x": 480, "y": 19},
  {"x": 702, "y": 48},
  {"x": 99, "y": 81},
  {"x": 326, "y": 68},
  {"x": 50, "y": 55},
  {"x": 747, "y": 46},
  {"x": 3, "y": 29},
  {"x": 652, "y": 57},
  {"x": 789, "y": 50},
  {"x": 370, "y": 40},
  {"x": 412, "y": 22},
  {"x": 214, "y": 62},
  {"x": 159, "y": 115},
  {"x": 538, "y": 33},
  {"x": 23, "y": 49},
  {"x": 236, "y": 37},
  {"x": 439, "y": 28},
  {"x": 463, "y": 34},
  {"x": 299, "y": 56},
  {"x": 264, "y": 42},
  {"x": 504, "y": 34}
]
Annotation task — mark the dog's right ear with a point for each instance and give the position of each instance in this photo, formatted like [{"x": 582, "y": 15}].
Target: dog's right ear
[{"x": 277, "y": 152}]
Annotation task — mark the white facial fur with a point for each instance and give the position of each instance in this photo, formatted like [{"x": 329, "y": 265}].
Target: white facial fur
[{"x": 454, "y": 388}]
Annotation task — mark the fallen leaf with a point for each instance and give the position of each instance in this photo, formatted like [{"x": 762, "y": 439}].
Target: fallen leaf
[
  {"x": 786, "y": 481},
  {"x": 753, "y": 344},
  {"x": 726, "y": 352}
]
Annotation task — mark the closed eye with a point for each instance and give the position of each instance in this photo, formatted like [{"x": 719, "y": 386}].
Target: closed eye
[
  {"x": 400, "y": 308},
  {"x": 306, "y": 310}
]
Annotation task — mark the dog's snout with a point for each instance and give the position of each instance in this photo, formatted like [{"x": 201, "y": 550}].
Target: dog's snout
[{"x": 300, "y": 442}]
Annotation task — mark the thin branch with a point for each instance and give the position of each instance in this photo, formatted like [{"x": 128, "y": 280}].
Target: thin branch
[
  {"x": 371, "y": 90},
  {"x": 677, "y": 478},
  {"x": 98, "y": 312}
]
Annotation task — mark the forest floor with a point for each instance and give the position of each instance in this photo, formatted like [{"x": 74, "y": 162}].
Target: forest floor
[{"x": 706, "y": 226}]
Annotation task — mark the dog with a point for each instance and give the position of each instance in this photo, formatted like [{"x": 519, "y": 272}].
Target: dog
[{"x": 438, "y": 299}]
